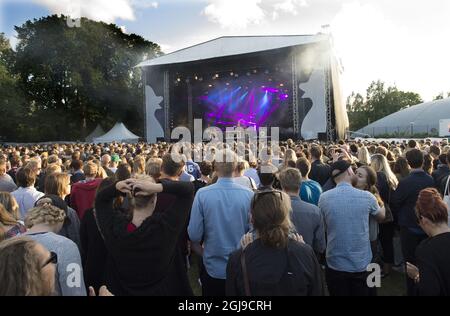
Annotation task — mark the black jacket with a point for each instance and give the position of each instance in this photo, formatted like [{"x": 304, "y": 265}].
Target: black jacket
[
  {"x": 143, "y": 263},
  {"x": 109, "y": 172},
  {"x": 441, "y": 173},
  {"x": 93, "y": 251},
  {"x": 320, "y": 172},
  {"x": 267, "y": 266},
  {"x": 433, "y": 261},
  {"x": 403, "y": 201},
  {"x": 383, "y": 188},
  {"x": 77, "y": 177}
]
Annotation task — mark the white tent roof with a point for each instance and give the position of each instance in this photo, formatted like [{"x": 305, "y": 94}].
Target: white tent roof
[
  {"x": 232, "y": 45},
  {"x": 96, "y": 133},
  {"x": 119, "y": 133},
  {"x": 421, "y": 118}
]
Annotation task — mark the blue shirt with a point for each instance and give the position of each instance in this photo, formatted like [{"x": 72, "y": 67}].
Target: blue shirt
[
  {"x": 308, "y": 222},
  {"x": 310, "y": 192},
  {"x": 346, "y": 213},
  {"x": 219, "y": 218},
  {"x": 193, "y": 169}
]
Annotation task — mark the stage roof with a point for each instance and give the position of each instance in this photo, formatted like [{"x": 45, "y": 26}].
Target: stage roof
[{"x": 232, "y": 45}]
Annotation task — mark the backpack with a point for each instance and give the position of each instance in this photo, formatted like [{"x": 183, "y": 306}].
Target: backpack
[{"x": 291, "y": 283}]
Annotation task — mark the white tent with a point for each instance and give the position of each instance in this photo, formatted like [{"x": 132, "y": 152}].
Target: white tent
[
  {"x": 119, "y": 133},
  {"x": 96, "y": 133}
]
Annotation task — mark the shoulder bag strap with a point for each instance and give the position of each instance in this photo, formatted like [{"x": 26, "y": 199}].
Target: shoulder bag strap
[{"x": 446, "y": 187}]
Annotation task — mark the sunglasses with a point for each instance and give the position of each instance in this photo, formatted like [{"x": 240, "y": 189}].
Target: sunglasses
[
  {"x": 53, "y": 259},
  {"x": 258, "y": 195}
]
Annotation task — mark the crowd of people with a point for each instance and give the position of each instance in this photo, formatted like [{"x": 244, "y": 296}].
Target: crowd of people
[{"x": 301, "y": 219}]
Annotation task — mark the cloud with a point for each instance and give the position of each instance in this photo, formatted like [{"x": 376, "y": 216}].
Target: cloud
[
  {"x": 290, "y": 6},
  {"x": 234, "y": 14},
  {"x": 166, "y": 47},
  {"x": 239, "y": 14},
  {"x": 99, "y": 10},
  {"x": 145, "y": 4}
]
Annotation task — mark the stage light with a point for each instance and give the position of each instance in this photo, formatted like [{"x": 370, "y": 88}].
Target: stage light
[
  {"x": 231, "y": 73},
  {"x": 196, "y": 78},
  {"x": 210, "y": 85},
  {"x": 281, "y": 85},
  {"x": 255, "y": 71},
  {"x": 227, "y": 83},
  {"x": 179, "y": 79},
  {"x": 217, "y": 75}
]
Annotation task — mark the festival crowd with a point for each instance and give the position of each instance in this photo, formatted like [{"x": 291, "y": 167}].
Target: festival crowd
[{"x": 302, "y": 219}]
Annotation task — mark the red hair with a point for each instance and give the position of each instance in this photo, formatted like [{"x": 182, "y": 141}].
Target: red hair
[{"x": 431, "y": 206}]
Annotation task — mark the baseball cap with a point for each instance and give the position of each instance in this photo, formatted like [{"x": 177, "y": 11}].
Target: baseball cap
[
  {"x": 115, "y": 158},
  {"x": 341, "y": 166}
]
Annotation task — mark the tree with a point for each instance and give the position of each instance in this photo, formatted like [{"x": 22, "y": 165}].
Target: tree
[
  {"x": 77, "y": 77},
  {"x": 380, "y": 101},
  {"x": 441, "y": 96},
  {"x": 12, "y": 101}
]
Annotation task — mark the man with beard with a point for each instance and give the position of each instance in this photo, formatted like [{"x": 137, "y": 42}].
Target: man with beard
[{"x": 346, "y": 213}]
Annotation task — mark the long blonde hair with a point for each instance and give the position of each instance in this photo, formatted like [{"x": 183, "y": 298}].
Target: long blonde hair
[
  {"x": 10, "y": 204},
  {"x": 25, "y": 279},
  {"x": 6, "y": 219},
  {"x": 381, "y": 164},
  {"x": 139, "y": 165},
  {"x": 290, "y": 155},
  {"x": 364, "y": 155}
]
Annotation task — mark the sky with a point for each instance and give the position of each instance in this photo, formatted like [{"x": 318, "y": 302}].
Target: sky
[{"x": 401, "y": 42}]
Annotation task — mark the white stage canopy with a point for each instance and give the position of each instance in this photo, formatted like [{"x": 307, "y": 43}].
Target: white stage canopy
[{"x": 232, "y": 45}]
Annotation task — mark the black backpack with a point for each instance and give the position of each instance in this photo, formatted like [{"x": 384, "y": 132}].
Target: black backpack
[{"x": 291, "y": 282}]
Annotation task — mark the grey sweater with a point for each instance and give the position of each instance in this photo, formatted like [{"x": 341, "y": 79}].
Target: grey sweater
[{"x": 69, "y": 279}]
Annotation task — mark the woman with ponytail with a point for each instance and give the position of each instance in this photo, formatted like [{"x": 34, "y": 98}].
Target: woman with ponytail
[
  {"x": 273, "y": 261},
  {"x": 387, "y": 183}
]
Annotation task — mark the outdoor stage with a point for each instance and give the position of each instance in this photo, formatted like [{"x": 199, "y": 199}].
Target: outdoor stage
[{"x": 289, "y": 82}]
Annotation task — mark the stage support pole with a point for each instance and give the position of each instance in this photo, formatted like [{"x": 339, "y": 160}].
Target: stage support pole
[
  {"x": 167, "y": 105},
  {"x": 328, "y": 102},
  {"x": 190, "y": 112},
  {"x": 144, "y": 101},
  {"x": 295, "y": 87}
]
